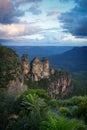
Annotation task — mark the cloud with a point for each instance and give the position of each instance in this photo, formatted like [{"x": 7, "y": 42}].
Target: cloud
[
  {"x": 8, "y": 12},
  {"x": 75, "y": 21},
  {"x": 34, "y": 9},
  {"x": 15, "y": 31},
  {"x": 53, "y": 13},
  {"x": 12, "y": 29},
  {"x": 69, "y": 37},
  {"x": 29, "y": 1},
  {"x": 32, "y": 37},
  {"x": 35, "y": 4},
  {"x": 63, "y": 1}
]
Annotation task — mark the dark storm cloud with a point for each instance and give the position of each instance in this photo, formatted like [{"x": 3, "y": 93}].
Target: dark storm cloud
[
  {"x": 8, "y": 12},
  {"x": 75, "y": 21}
]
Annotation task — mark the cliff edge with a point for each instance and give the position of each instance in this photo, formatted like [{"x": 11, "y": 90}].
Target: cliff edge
[{"x": 14, "y": 72}]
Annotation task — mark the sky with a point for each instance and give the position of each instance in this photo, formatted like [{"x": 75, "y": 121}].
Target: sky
[{"x": 43, "y": 22}]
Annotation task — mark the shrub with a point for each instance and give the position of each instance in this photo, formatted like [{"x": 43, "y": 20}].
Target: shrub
[
  {"x": 54, "y": 123},
  {"x": 40, "y": 92},
  {"x": 64, "y": 111},
  {"x": 76, "y": 100},
  {"x": 75, "y": 111},
  {"x": 83, "y": 109},
  {"x": 53, "y": 103}
]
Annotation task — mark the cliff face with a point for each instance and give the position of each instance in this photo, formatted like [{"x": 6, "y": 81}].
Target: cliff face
[
  {"x": 61, "y": 86},
  {"x": 46, "y": 67},
  {"x": 25, "y": 64},
  {"x": 10, "y": 66},
  {"x": 40, "y": 69},
  {"x": 11, "y": 75},
  {"x": 37, "y": 69},
  {"x": 14, "y": 72}
]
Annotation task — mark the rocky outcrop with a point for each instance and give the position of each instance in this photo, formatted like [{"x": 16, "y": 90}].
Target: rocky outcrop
[
  {"x": 59, "y": 81},
  {"x": 25, "y": 64},
  {"x": 16, "y": 87},
  {"x": 61, "y": 86},
  {"x": 37, "y": 69},
  {"x": 46, "y": 68},
  {"x": 40, "y": 69},
  {"x": 14, "y": 73}
]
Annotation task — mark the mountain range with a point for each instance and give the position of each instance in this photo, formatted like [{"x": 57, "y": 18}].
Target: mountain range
[
  {"x": 40, "y": 51},
  {"x": 66, "y": 57},
  {"x": 71, "y": 60}
]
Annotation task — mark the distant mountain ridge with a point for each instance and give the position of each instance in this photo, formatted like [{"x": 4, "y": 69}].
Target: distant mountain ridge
[
  {"x": 72, "y": 60},
  {"x": 40, "y": 51}
]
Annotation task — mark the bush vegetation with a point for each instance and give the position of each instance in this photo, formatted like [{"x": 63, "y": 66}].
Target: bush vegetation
[{"x": 33, "y": 109}]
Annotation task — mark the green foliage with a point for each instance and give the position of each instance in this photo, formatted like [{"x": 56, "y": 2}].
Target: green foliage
[
  {"x": 75, "y": 107},
  {"x": 44, "y": 83},
  {"x": 83, "y": 109},
  {"x": 75, "y": 111},
  {"x": 39, "y": 92},
  {"x": 54, "y": 123},
  {"x": 3, "y": 109},
  {"x": 33, "y": 104},
  {"x": 36, "y": 107},
  {"x": 64, "y": 111},
  {"x": 31, "y": 84},
  {"x": 80, "y": 83},
  {"x": 8, "y": 65},
  {"x": 53, "y": 103},
  {"x": 34, "y": 110},
  {"x": 49, "y": 124},
  {"x": 8, "y": 59},
  {"x": 19, "y": 124}
]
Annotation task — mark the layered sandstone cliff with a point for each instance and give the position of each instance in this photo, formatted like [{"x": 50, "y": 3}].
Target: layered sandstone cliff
[
  {"x": 60, "y": 82},
  {"x": 25, "y": 64},
  {"x": 37, "y": 69},
  {"x": 60, "y": 86},
  {"x": 14, "y": 73}
]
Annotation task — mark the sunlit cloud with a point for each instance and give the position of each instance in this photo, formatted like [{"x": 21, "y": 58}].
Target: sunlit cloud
[
  {"x": 43, "y": 21},
  {"x": 72, "y": 38},
  {"x": 13, "y": 31}
]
